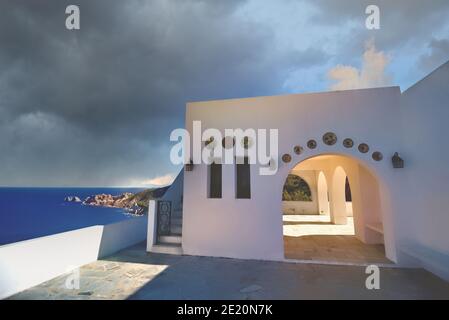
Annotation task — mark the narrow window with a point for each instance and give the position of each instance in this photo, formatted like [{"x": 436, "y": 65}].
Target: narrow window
[
  {"x": 215, "y": 180},
  {"x": 243, "y": 180}
]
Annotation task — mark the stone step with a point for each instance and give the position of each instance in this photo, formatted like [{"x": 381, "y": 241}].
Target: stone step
[
  {"x": 175, "y": 239},
  {"x": 167, "y": 248}
]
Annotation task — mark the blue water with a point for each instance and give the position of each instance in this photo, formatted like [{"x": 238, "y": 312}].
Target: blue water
[{"x": 27, "y": 213}]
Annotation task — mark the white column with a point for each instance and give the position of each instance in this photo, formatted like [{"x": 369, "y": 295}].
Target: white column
[
  {"x": 323, "y": 200},
  {"x": 338, "y": 197}
]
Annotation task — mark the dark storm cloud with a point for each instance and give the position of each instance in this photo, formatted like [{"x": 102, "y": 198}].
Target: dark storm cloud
[{"x": 96, "y": 106}]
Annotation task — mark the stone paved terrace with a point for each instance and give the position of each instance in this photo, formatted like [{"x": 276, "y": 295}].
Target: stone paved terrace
[
  {"x": 135, "y": 274},
  {"x": 314, "y": 237}
]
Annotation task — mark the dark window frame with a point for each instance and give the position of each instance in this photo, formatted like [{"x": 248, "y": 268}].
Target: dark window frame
[
  {"x": 243, "y": 179},
  {"x": 215, "y": 181}
]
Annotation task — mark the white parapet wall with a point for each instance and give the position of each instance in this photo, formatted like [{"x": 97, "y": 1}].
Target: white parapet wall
[{"x": 28, "y": 263}]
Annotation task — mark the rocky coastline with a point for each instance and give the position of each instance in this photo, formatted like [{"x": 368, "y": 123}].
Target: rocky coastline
[{"x": 133, "y": 203}]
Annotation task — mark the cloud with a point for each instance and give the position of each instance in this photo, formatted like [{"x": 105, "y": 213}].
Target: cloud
[
  {"x": 159, "y": 181},
  {"x": 437, "y": 55},
  {"x": 95, "y": 107},
  {"x": 103, "y": 100},
  {"x": 372, "y": 73}
]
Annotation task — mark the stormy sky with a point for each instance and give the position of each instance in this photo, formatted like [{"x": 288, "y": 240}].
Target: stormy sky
[{"x": 95, "y": 106}]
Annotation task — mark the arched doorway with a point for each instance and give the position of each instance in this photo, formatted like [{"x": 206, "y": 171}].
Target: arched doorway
[
  {"x": 297, "y": 197},
  {"x": 347, "y": 224}
]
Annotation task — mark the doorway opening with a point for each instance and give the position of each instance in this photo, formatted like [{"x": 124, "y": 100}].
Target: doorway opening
[{"x": 332, "y": 212}]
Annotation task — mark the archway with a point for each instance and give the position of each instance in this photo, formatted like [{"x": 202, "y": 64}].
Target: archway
[
  {"x": 347, "y": 225},
  {"x": 297, "y": 195}
]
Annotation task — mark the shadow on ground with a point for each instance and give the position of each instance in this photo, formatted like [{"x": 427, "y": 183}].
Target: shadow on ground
[{"x": 136, "y": 274}]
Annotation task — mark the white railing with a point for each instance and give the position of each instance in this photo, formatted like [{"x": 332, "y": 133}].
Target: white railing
[{"x": 28, "y": 263}]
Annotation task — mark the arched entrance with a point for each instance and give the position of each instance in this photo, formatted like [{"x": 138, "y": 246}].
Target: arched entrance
[{"x": 347, "y": 224}]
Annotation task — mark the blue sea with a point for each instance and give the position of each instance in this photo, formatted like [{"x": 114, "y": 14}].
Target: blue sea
[{"x": 27, "y": 213}]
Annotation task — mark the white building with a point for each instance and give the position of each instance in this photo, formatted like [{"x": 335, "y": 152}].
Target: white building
[{"x": 239, "y": 215}]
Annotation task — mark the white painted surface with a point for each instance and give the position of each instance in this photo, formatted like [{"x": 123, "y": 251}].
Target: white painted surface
[
  {"x": 152, "y": 225},
  {"x": 299, "y": 207},
  {"x": 27, "y": 263},
  {"x": 174, "y": 194},
  {"x": 252, "y": 228},
  {"x": 424, "y": 122},
  {"x": 323, "y": 195},
  {"x": 410, "y": 203}
]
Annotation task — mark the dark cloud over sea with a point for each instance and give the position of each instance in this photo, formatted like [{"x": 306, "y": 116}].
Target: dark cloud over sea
[{"x": 95, "y": 106}]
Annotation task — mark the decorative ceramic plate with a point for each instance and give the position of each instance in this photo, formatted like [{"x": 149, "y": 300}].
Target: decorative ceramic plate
[
  {"x": 348, "y": 143},
  {"x": 228, "y": 142},
  {"x": 377, "y": 156},
  {"x": 247, "y": 142},
  {"x": 209, "y": 143},
  {"x": 311, "y": 144},
  {"x": 286, "y": 158},
  {"x": 363, "y": 148},
  {"x": 298, "y": 149},
  {"x": 330, "y": 138}
]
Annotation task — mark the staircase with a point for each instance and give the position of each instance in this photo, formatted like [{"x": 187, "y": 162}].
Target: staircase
[{"x": 172, "y": 243}]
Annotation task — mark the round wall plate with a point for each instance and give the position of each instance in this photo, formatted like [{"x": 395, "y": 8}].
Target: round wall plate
[
  {"x": 298, "y": 149},
  {"x": 246, "y": 142},
  {"x": 228, "y": 142},
  {"x": 311, "y": 144},
  {"x": 286, "y": 158},
  {"x": 363, "y": 148},
  {"x": 210, "y": 143},
  {"x": 377, "y": 156},
  {"x": 348, "y": 143},
  {"x": 330, "y": 138}
]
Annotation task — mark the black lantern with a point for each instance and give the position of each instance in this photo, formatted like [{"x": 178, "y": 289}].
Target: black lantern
[{"x": 397, "y": 161}]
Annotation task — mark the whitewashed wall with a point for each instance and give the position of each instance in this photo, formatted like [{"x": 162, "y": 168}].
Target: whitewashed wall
[
  {"x": 425, "y": 116},
  {"x": 28, "y": 263},
  {"x": 252, "y": 228}
]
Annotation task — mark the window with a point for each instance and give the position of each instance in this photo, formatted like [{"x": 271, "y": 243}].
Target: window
[
  {"x": 215, "y": 180},
  {"x": 296, "y": 189},
  {"x": 243, "y": 180}
]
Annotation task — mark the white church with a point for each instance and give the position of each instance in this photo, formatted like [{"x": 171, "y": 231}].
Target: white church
[{"x": 387, "y": 146}]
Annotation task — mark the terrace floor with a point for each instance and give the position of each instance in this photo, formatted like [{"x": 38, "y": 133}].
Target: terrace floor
[
  {"x": 314, "y": 237},
  {"x": 136, "y": 274}
]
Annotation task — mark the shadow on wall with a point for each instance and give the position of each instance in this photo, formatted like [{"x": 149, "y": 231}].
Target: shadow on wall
[
  {"x": 121, "y": 235},
  {"x": 28, "y": 263}
]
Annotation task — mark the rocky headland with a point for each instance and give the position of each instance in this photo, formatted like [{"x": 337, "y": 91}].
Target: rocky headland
[{"x": 133, "y": 203}]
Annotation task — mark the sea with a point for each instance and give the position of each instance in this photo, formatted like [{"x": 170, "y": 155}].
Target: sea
[{"x": 27, "y": 213}]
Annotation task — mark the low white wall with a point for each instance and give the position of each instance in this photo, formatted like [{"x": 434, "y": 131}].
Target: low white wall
[
  {"x": 28, "y": 263},
  {"x": 307, "y": 207},
  {"x": 299, "y": 207}
]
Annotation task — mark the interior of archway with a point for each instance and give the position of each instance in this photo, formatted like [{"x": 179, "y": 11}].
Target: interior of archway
[{"x": 341, "y": 221}]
